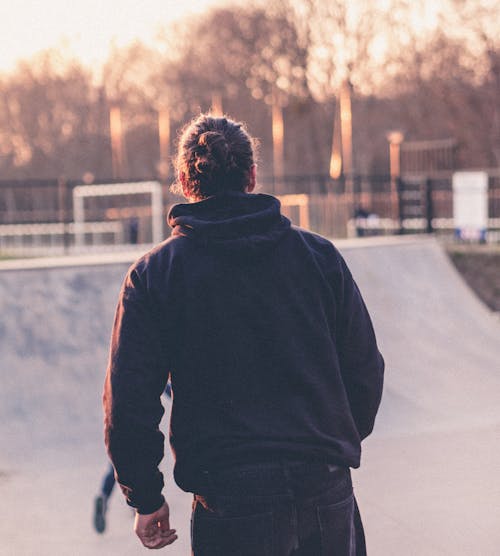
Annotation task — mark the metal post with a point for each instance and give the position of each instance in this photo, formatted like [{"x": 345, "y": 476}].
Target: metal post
[
  {"x": 336, "y": 155},
  {"x": 346, "y": 132},
  {"x": 157, "y": 214},
  {"x": 164, "y": 137},
  {"x": 62, "y": 187},
  {"x": 278, "y": 147},
  {"x": 217, "y": 105},
  {"x": 429, "y": 206},
  {"x": 399, "y": 203},
  {"x": 117, "y": 150},
  {"x": 78, "y": 217},
  {"x": 395, "y": 139}
]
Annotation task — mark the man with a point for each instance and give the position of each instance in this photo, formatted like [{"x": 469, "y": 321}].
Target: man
[{"x": 276, "y": 376}]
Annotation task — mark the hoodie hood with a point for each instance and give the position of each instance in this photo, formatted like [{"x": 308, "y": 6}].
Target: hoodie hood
[{"x": 232, "y": 222}]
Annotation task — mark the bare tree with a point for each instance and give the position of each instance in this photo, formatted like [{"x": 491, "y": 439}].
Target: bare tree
[
  {"x": 477, "y": 24},
  {"x": 48, "y": 118},
  {"x": 447, "y": 82}
]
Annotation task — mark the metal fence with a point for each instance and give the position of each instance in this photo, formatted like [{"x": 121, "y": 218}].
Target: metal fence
[{"x": 38, "y": 215}]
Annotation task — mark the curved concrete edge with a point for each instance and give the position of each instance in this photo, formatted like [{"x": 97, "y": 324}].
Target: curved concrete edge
[
  {"x": 86, "y": 259},
  {"x": 382, "y": 241},
  {"x": 130, "y": 255}
]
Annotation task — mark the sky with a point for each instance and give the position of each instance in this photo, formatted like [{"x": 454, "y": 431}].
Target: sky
[
  {"x": 83, "y": 28},
  {"x": 86, "y": 29}
]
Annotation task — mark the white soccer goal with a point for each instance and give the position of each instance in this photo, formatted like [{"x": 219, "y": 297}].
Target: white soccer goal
[{"x": 155, "y": 210}]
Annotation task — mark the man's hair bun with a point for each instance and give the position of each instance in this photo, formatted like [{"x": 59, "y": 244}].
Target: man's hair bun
[
  {"x": 212, "y": 152},
  {"x": 215, "y": 155}
]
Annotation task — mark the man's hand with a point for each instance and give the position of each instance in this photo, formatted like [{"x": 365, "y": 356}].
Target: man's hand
[{"x": 154, "y": 529}]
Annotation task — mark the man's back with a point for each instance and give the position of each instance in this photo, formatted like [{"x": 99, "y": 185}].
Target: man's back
[{"x": 254, "y": 338}]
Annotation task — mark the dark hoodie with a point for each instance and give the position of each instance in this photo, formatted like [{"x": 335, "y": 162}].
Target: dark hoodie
[{"x": 269, "y": 345}]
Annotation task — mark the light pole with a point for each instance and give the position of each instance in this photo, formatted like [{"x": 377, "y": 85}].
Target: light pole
[
  {"x": 117, "y": 146},
  {"x": 217, "y": 110},
  {"x": 278, "y": 146},
  {"x": 164, "y": 139},
  {"x": 346, "y": 132},
  {"x": 395, "y": 139},
  {"x": 336, "y": 156}
]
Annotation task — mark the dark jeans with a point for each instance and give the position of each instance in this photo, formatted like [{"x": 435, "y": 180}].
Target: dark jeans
[
  {"x": 288, "y": 509},
  {"x": 108, "y": 482}
]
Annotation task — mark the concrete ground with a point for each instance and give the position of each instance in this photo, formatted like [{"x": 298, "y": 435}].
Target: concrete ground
[{"x": 428, "y": 484}]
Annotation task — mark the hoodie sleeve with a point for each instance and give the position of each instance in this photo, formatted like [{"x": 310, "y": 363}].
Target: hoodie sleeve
[
  {"x": 361, "y": 363},
  {"x": 135, "y": 380}
]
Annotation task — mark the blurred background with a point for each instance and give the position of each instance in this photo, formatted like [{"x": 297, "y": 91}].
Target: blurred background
[
  {"x": 373, "y": 117},
  {"x": 360, "y": 108}
]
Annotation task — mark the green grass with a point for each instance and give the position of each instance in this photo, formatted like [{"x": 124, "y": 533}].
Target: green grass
[
  {"x": 459, "y": 249},
  {"x": 9, "y": 257}
]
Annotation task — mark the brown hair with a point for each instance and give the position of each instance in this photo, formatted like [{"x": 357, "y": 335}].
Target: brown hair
[{"x": 214, "y": 155}]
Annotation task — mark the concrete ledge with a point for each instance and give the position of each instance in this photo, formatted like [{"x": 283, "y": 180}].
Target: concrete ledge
[
  {"x": 87, "y": 259},
  {"x": 129, "y": 256},
  {"x": 382, "y": 241}
]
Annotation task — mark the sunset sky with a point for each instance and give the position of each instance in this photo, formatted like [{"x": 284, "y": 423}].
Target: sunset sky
[{"x": 85, "y": 29}]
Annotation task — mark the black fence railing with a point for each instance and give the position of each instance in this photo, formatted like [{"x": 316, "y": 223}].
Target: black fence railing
[{"x": 431, "y": 198}]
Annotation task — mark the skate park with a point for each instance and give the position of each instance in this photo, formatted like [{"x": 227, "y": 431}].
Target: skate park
[
  {"x": 377, "y": 125},
  {"x": 427, "y": 482}
]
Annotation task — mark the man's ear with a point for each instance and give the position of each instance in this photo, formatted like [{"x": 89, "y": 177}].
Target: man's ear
[{"x": 252, "y": 179}]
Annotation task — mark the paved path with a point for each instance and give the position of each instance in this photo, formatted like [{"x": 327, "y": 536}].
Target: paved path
[{"x": 429, "y": 477}]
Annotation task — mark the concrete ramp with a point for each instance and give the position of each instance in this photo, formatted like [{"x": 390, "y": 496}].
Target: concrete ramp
[
  {"x": 428, "y": 482},
  {"x": 442, "y": 345},
  {"x": 429, "y": 477}
]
